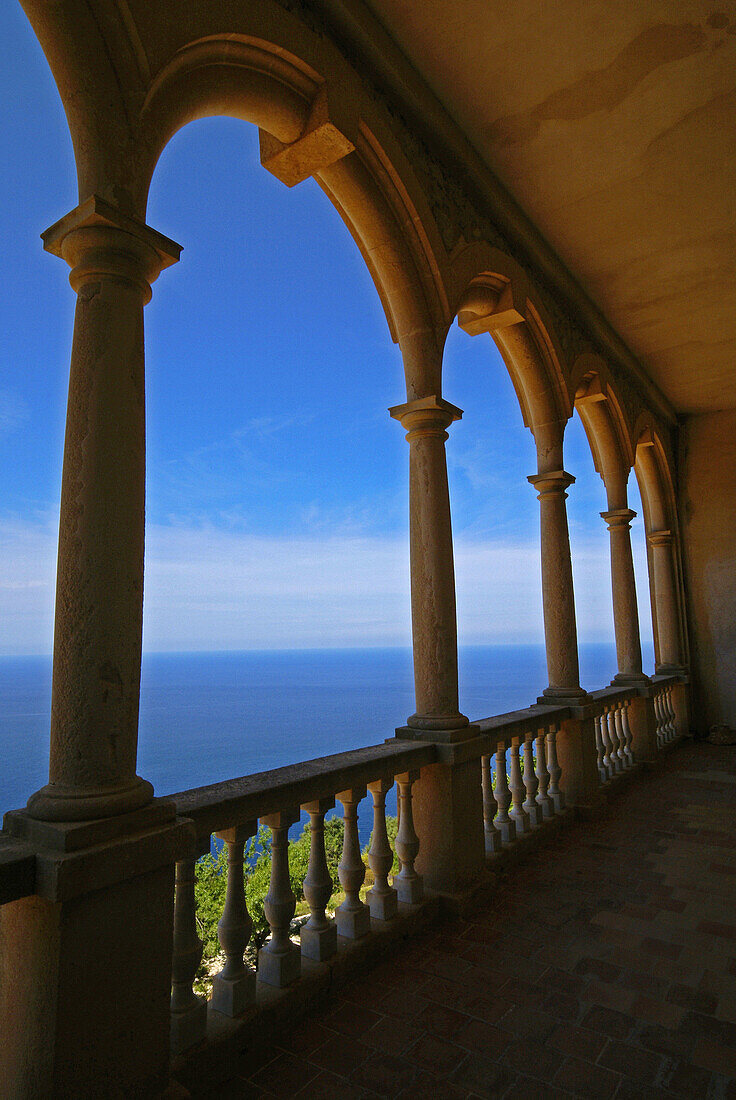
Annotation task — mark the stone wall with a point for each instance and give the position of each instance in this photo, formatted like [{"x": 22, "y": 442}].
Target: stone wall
[{"x": 707, "y": 478}]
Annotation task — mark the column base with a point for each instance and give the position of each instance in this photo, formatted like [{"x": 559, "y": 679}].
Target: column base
[
  {"x": 279, "y": 970},
  {"x": 55, "y": 802},
  {"x": 382, "y": 906},
  {"x": 561, "y": 697},
  {"x": 635, "y": 679},
  {"x": 507, "y": 829},
  {"x": 231, "y": 996},
  {"x": 410, "y": 891},
  {"x": 443, "y": 734},
  {"x": 318, "y": 944},
  {"x": 669, "y": 670},
  {"x": 534, "y": 813},
  {"x": 190, "y": 1027},
  {"x": 353, "y": 924}
]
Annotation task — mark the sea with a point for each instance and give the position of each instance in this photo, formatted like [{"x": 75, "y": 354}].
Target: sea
[{"x": 205, "y": 717}]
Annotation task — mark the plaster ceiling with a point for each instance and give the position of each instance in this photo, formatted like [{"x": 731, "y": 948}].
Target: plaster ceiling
[{"x": 614, "y": 126}]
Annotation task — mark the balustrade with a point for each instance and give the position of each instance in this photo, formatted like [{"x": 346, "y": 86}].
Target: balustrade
[
  {"x": 523, "y": 794},
  {"x": 613, "y": 737},
  {"x": 522, "y": 785}
]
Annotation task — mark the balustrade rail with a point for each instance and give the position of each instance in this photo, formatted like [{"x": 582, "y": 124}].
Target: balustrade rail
[
  {"x": 231, "y": 810},
  {"x": 613, "y": 736},
  {"x": 664, "y": 712},
  {"x": 520, "y": 774}
]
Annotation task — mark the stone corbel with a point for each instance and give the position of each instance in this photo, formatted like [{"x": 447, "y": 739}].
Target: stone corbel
[
  {"x": 590, "y": 393},
  {"x": 324, "y": 141},
  {"x": 485, "y": 309}
]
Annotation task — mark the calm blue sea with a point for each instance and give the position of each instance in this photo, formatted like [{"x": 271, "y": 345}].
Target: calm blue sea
[{"x": 212, "y": 716}]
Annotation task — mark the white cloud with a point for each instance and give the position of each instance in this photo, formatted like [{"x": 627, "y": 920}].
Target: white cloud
[
  {"x": 13, "y": 412},
  {"x": 209, "y": 588}
]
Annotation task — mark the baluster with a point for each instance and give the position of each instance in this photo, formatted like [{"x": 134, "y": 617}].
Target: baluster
[
  {"x": 279, "y": 961},
  {"x": 234, "y": 988},
  {"x": 408, "y": 884},
  {"x": 504, "y": 824},
  {"x": 188, "y": 1011},
  {"x": 619, "y": 723},
  {"x": 555, "y": 771},
  {"x": 658, "y": 716},
  {"x": 319, "y": 935},
  {"x": 608, "y": 758},
  {"x": 611, "y": 723},
  {"x": 531, "y": 783},
  {"x": 671, "y": 716},
  {"x": 628, "y": 738},
  {"x": 492, "y": 834},
  {"x": 543, "y": 800},
  {"x": 381, "y": 898},
  {"x": 353, "y": 918},
  {"x": 617, "y": 736},
  {"x": 600, "y": 751},
  {"x": 517, "y": 811}
]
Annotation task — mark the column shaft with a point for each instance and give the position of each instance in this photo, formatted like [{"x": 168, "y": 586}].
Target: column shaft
[
  {"x": 558, "y": 599},
  {"x": 99, "y": 594},
  {"x": 665, "y": 601},
  {"x": 625, "y": 605},
  {"x": 434, "y": 624}
]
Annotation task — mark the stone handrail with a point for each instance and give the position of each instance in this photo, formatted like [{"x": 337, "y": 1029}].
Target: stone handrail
[{"x": 228, "y": 804}]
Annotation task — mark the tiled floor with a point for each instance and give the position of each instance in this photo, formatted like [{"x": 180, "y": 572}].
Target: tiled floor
[{"x": 605, "y": 967}]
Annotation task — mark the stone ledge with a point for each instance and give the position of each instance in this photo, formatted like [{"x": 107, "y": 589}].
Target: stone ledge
[{"x": 61, "y": 875}]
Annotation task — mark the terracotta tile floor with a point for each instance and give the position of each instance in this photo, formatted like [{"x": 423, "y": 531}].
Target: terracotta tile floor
[{"x": 605, "y": 967}]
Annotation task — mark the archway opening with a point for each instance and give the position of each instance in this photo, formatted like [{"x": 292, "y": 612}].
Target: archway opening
[
  {"x": 276, "y": 479},
  {"x": 36, "y": 315},
  {"x": 495, "y": 517},
  {"x": 591, "y": 561}
]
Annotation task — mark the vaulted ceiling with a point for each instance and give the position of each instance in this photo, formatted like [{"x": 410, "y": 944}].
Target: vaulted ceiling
[{"x": 614, "y": 127}]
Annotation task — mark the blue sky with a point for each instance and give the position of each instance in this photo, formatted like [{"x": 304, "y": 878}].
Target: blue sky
[{"x": 277, "y": 483}]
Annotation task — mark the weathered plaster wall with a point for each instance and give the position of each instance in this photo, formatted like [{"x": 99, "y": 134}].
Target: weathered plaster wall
[{"x": 707, "y": 477}]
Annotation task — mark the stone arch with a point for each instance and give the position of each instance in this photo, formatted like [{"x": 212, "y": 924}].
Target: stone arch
[
  {"x": 605, "y": 426},
  {"x": 315, "y": 119},
  {"x": 492, "y": 293},
  {"x": 654, "y": 472}
]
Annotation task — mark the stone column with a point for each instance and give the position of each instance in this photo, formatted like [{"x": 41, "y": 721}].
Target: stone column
[
  {"x": 560, "y": 631},
  {"x": 434, "y": 625},
  {"x": 99, "y": 594},
  {"x": 665, "y": 602},
  {"x": 625, "y": 606}
]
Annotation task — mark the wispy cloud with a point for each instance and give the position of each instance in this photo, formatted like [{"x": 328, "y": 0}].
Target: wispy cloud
[
  {"x": 14, "y": 412},
  {"x": 209, "y": 587}
]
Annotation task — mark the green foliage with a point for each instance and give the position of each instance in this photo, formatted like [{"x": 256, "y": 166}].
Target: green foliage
[{"x": 211, "y": 881}]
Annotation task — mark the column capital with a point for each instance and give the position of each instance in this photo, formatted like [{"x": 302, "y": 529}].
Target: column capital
[
  {"x": 551, "y": 483},
  {"x": 618, "y": 517},
  {"x": 660, "y": 538},
  {"x": 97, "y": 239},
  {"x": 426, "y": 416}
]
